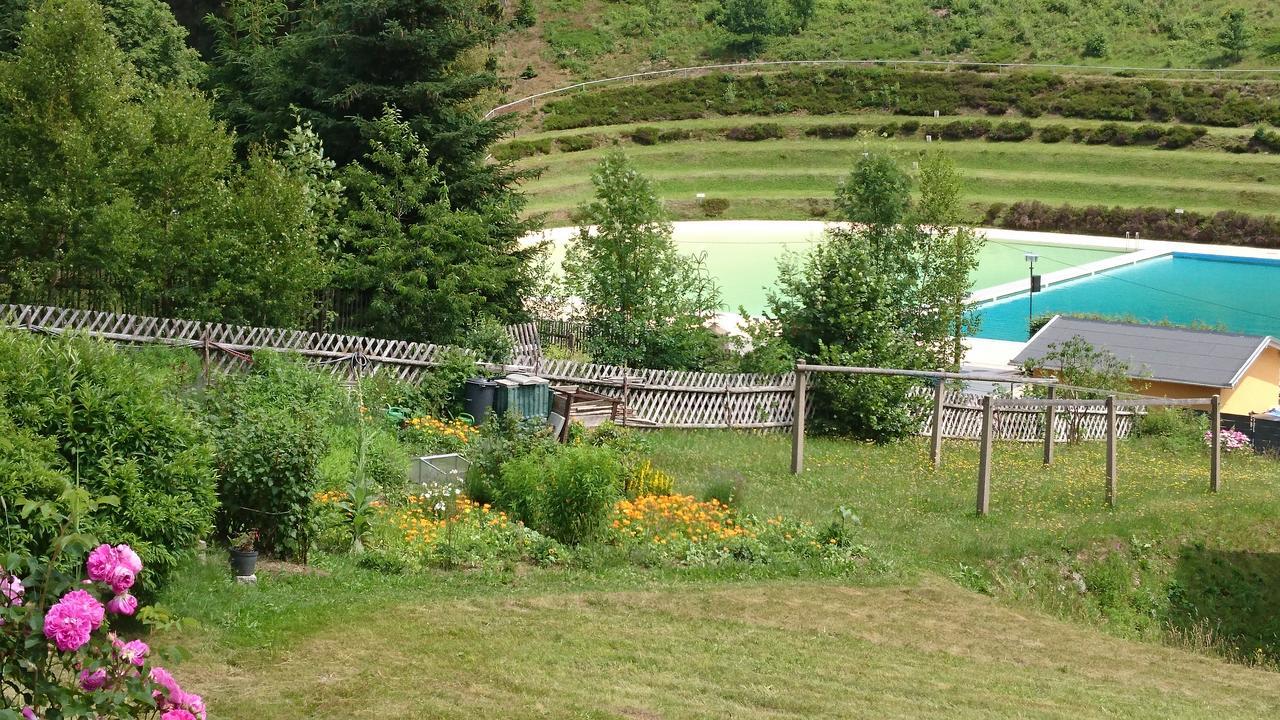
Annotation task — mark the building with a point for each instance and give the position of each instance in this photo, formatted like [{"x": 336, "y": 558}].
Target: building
[{"x": 1176, "y": 362}]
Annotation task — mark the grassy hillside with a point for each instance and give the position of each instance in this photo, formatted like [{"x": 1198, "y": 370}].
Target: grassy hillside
[
  {"x": 579, "y": 39},
  {"x": 1035, "y": 611},
  {"x": 794, "y": 177}
]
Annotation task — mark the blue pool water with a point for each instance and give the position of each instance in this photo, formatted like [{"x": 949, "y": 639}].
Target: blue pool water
[{"x": 1239, "y": 294}]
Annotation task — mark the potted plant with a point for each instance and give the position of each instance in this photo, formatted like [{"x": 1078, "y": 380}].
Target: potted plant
[{"x": 244, "y": 556}]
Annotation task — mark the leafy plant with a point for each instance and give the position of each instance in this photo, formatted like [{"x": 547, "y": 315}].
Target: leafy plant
[{"x": 581, "y": 487}]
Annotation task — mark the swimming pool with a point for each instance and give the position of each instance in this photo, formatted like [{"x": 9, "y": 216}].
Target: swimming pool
[{"x": 1236, "y": 294}]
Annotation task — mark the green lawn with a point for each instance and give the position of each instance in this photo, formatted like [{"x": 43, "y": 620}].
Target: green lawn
[
  {"x": 782, "y": 179},
  {"x": 904, "y": 636}
]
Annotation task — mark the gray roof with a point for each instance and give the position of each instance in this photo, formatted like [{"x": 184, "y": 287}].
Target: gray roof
[{"x": 1192, "y": 357}]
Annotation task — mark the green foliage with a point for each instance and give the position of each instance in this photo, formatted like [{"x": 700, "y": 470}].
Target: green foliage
[
  {"x": 645, "y": 135},
  {"x": 1235, "y": 36},
  {"x": 77, "y": 412},
  {"x": 431, "y": 267},
  {"x": 714, "y": 207},
  {"x": 647, "y": 299},
  {"x": 1096, "y": 45},
  {"x": 754, "y": 133},
  {"x": 269, "y": 430},
  {"x": 577, "y": 143},
  {"x": 526, "y": 14},
  {"x": 581, "y": 486},
  {"x": 503, "y": 440},
  {"x": 1226, "y": 227},
  {"x": 1179, "y": 426},
  {"x": 490, "y": 341},
  {"x": 754, "y": 20},
  {"x": 725, "y": 491},
  {"x": 137, "y": 198},
  {"x": 890, "y": 290}
]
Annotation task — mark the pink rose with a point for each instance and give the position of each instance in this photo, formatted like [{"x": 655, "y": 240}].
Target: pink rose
[
  {"x": 122, "y": 604},
  {"x": 116, "y": 566},
  {"x": 100, "y": 563},
  {"x": 90, "y": 681},
  {"x": 28, "y": 713},
  {"x": 11, "y": 588},
  {"x": 161, "y": 677},
  {"x": 177, "y": 714},
  {"x": 190, "y": 702},
  {"x": 135, "y": 652},
  {"x": 72, "y": 619}
]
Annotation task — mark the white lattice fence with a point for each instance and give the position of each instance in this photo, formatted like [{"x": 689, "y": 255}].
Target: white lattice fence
[{"x": 962, "y": 419}]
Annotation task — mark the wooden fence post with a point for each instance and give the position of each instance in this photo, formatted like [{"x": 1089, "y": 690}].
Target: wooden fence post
[
  {"x": 1050, "y": 428},
  {"x": 1215, "y": 444},
  {"x": 984, "y": 458},
  {"x": 1111, "y": 450},
  {"x": 204, "y": 340},
  {"x": 935, "y": 447},
  {"x": 728, "y": 413},
  {"x": 797, "y": 425}
]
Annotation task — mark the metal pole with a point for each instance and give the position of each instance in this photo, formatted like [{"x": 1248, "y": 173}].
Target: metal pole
[
  {"x": 797, "y": 425},
  {"x": 1111, "y": 450},
  {"x": 935, "y": 448},
  {"x": 1050, "y": 429},
  {"x": 1215, "y": 445},
  {"x": 984, "y": 459}
]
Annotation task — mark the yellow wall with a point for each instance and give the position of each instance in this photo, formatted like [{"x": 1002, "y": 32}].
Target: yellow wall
[{"x": 1257, "y": 391}]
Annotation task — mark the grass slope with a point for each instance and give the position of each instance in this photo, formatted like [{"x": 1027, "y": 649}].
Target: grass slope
[
  {"x": 895, "y": 639},
  {"x": 582, "y": 39},
  {"x": 794, "y": 177},
  {"x": 778, "y": 650}
]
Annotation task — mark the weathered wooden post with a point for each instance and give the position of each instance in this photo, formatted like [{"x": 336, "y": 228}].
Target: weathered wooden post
[
  {"x": 797, "y": 425},
  {"x": 984, "y": 458},
  {"x": 1215, "y": 444},
  {"x": 204, "y": 341},
  {"x": 1111, "y": 450},
  {"x": 1050, "y": 428},
  {"x": 726, "y": 409},
  {"x": 935, "y": 447}
]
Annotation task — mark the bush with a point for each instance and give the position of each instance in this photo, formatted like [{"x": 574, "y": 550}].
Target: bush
[
  {"x": 1180, "y": 136},
  {"x": 725, "y": 492},
  {"x": 1054, "y": 133},
  {"x": 1011, "y": 132},
  {"x": 268, "y": 425},
  {"x": 503, "y": 440},
  {"x": 576, "y": 143},
  {"x": 582, "y": 485},
  {"x": 645, "y": 479},
  {"x": 75, "y": 411},
  {"x": 490, "y": 342},
  {"x": 714, "y": 207},
  {"x": 1182, "y": 427},
  {"x": 647, "y": 135},
  {"x": 908, "y": 127},
  {"x": 754, "y": 133},
  {"x": 840, "y": 130},
  {"x": 1224, "y": 228},
  {"x": 674, "y": 135},
  {"x": 1265, "y": 140},
  {"x": 959, "y": 129},
  {"x": 517, "y": 149}
]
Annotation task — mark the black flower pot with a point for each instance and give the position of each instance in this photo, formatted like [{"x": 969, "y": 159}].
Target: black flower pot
[{"x": 243, "y": 562}]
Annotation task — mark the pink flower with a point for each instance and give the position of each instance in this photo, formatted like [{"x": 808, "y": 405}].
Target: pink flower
[
  {"x": 161, "y": 677},
  {"x": 116, "y": 566},
  {"x": 11, "y": 588},
  {"x": 28, "y": 713},
  {"x": 122, "y": 604},
  {"x": 190, "y": 702},
  {"x": 135, "y": 652},
  {"x": 90, "y": 681},
  {"x": 70, "y": 622},
  {"x": 177, "y": 714}
]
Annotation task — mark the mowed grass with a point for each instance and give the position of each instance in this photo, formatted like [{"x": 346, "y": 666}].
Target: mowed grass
[
  {"x": 619, "y": 641},
  {"x": 782, "y": 179},
  {"x": 777, "y": 650}
]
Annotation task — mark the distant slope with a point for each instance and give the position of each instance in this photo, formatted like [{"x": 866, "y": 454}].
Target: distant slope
[{"x": 580, "y": 39}]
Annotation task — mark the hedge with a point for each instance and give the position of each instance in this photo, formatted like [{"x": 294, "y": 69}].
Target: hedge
[
  {"x": 921, "y": 93},
  {"x": 1223, "y": 228}
]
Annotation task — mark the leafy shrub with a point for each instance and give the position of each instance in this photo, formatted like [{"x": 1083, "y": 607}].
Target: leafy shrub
[
  {"x": 75, "y": 411},
  {"x": 714, "y": 207},
  {"x": 839, "y": 130},
  {"x": 490, "y": 342},
  {"x": 1181, "y": 426},
  {"x": 1180, "y": 136},
  {"x": 518, "y": 488},
  {"x": 645, "y": 479},
  {"x": 502, "y": 440},
  {"x": 959, "y": 129},
  {"x": 908, "y": 127},
  {"x": 517, "y": 149},
  {"x": 647, "y": 135},
  {"x": 674, "y": 134},
  {"x": 437, "y": 393},
  {"x": 581, "y": 487},
  {"x": 1011, "y": 132},
  {"x": 1265, "y": 140},
  {"x": 577, "y": 143},
  {"x": 268, "y": 426},
  {"x": 724, "y": 491},
  {"x": 1225, "y": 227},
  {"x": 755, "y": 132},
  {"x": 1054, "y": 133}
]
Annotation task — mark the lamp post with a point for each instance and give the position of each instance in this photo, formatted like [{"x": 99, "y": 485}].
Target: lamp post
[{"x": 1031, "y": 289}]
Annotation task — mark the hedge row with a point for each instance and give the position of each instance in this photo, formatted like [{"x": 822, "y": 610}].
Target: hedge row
[
  {"x": 922, "y": 92},
  {"x": 1223, "y": 228}
]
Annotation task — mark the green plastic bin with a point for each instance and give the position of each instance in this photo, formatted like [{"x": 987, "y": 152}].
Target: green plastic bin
[{"x": 525, "y": 395}]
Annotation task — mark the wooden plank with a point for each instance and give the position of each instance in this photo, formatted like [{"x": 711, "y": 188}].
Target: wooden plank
[
  {"x": 1111, "y": 451},
  {"x": 797, "y": 423},
  {"x": 1050, "y": 432},
  {"x": 984, "y": 459},
  {"x": 935, "y": 444},
  {"x": 1215, "y": 444}
]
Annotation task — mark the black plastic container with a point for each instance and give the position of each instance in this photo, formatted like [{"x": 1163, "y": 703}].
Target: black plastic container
[{"x": 479, "y": 398}]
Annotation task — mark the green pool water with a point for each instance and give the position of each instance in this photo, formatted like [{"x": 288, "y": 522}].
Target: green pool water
[{"x": 745, "y": 264}]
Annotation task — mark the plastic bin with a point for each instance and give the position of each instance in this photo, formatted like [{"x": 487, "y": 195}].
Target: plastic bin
[
  {"x": 479, "y": 398},
  {"x": 525, "y": 395}
]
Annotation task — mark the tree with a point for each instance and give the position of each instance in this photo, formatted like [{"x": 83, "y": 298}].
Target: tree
[
  {"x": 431, "y": 270},
  {"x": 754, "y": 20},
  {"x": 1235, "y": 35},
  {"x": 526, "y": 15},
  {"x": 886, "y": 290},
  {"x": 145, "y": 30},
  {"x": 112, "y": 185},
  {"x": 1078, "y": 363},
  {"x": 647, "y": 299}
]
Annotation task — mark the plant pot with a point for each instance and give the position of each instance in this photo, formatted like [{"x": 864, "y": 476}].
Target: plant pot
[{"x": 243, "y": 562}]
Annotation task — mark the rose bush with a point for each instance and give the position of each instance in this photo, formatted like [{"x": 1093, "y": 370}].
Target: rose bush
[{"x": 60, "y": 659}]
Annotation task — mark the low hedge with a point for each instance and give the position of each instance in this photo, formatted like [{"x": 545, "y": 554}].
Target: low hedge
[
  {"x": 1223, "y": 228},
  {"x": 755, "y": 132}
]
